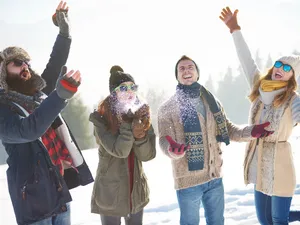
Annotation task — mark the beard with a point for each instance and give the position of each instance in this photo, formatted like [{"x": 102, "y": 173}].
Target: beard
[{"x": 16, "y": 83}]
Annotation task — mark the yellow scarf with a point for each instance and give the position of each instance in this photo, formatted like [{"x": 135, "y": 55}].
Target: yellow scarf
[{"x": 272, "y": 85}]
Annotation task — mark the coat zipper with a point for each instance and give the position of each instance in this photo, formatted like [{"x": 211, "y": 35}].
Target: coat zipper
[{"x": 23, "y": 189}]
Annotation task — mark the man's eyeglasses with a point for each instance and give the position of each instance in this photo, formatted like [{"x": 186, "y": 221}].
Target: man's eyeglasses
[
  {"x": 124, "y": 88},
  {"x": 19, "y": 62}
]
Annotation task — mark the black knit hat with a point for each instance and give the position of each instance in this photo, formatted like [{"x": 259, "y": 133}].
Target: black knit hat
[
  {"x": 184, "y": 57},
  {"x": 117, "y": 77}
]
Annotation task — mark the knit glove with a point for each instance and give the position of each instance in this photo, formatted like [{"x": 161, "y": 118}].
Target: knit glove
[
  {"x": 66, "y": 87},
  {"x": 143, "y": 111},
  {"x": 259, "y": 131},
  {"x": 230, "y": 19},
  {"x": 175, "y": 147},
  {"x": 60, "y": 18},
  {"x": 138, "y": 129},
  {"x": 143, "y": 114}
]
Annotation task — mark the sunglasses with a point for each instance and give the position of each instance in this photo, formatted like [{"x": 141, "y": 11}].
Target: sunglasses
[
  {"x": 124, "y": 88},
  {"x": 286, "y": 67},
  {"x": 19, "y": 62}
]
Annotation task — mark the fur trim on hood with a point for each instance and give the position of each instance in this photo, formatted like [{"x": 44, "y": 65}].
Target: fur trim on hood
[{"x": 6, "y": 56}]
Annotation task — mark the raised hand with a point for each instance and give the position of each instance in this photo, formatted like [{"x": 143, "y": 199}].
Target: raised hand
[
  {"x": 61, "y": 19},
  {"x": 259, "y": 130},
  {"x": 175, "y": 147},
  {"x": 68, "y": 83},
  {"x": 230, "y": 19}
]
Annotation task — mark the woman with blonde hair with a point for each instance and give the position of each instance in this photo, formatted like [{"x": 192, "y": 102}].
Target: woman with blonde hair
[
  {"x": 126, "y": 138},
  {"x": 269, "y": 161}
]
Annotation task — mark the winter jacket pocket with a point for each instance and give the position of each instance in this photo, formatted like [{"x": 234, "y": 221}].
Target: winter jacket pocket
[
  {"x": 40, "y": 197},
  {"x": 141, "y": 193},
  {"x": 103, "y": 165},
  {"x": 107, "y": 193}
]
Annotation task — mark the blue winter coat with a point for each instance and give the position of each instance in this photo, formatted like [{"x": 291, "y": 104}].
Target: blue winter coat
[{"x": 36, "y": 188}]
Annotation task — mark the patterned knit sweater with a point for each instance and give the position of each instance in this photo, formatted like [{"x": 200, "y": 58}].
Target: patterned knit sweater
[{"x": 169, "y": 123}]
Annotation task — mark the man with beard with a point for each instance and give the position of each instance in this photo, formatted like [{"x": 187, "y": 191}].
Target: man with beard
[{"x": 43, "y": 158}]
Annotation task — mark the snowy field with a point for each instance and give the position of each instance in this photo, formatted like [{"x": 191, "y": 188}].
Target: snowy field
[{"x": 163, "y": 208}]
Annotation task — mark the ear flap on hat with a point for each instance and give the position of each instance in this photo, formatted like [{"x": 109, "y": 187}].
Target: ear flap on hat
[
  {"x": 3, "y": 84},
  {"x": 38, "y": 81},
  {"x": 12, "y": 53}
]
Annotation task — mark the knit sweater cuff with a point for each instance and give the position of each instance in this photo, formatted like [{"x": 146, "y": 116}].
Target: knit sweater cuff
[
  {"x": 175, "y": 156},
  {"x": 247, "y": 133}
]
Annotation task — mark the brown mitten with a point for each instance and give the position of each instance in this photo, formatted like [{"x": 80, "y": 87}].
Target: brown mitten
[
  {"x": 143, "y": 114},
  {"x": 138, "y": 129}
]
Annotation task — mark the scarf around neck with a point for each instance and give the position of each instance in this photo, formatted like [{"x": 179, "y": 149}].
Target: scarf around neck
[
  {"x": 191, "y": 122},
  {"x": 272, "y": 85}
]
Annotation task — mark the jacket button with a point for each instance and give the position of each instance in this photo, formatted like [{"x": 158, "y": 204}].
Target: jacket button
[
  {"x": 64, "y": 208},
  {"x": 211, "y": 162},
  {"x": 213, "y": 175}
]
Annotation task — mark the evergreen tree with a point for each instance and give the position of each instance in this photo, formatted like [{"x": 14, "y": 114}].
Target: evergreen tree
[
  {"x": 76, "y": 115},
  {"x": 232, "y": 93},
  {"x": 155, "y": 98},
  {"x": 209, "y": 85},
  {"x": 296, "y": 52},
  {"x": 258, "y": 60},
  {"x": 269, "y": 64},
  {"x": 241, "y": 102}
]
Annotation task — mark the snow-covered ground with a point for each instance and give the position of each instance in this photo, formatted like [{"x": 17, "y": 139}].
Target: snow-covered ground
[{"x": 163, "y": 208}]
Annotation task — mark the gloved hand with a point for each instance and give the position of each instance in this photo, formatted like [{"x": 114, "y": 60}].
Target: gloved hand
[
  {"x": 127, "y": 117},
  {"x": 61, "y": 19},
  {"x": 175, "y": 147},
  {"x": 259, "y": 130},
  {"x": 138, "y": 129},
  {"x": 230, "y": 19},
  {"x": 143, "y": 114},
  {"x": 67, "y": 83},
  {"x": 143, "y": 111}
]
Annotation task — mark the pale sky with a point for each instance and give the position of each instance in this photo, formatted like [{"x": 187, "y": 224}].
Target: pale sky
[{"x": 146, "y": 38}]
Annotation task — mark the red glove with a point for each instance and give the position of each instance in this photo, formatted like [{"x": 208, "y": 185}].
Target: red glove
[
  {"x": 259, "y": 131},
  {"x": 176, "y": 148}
]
